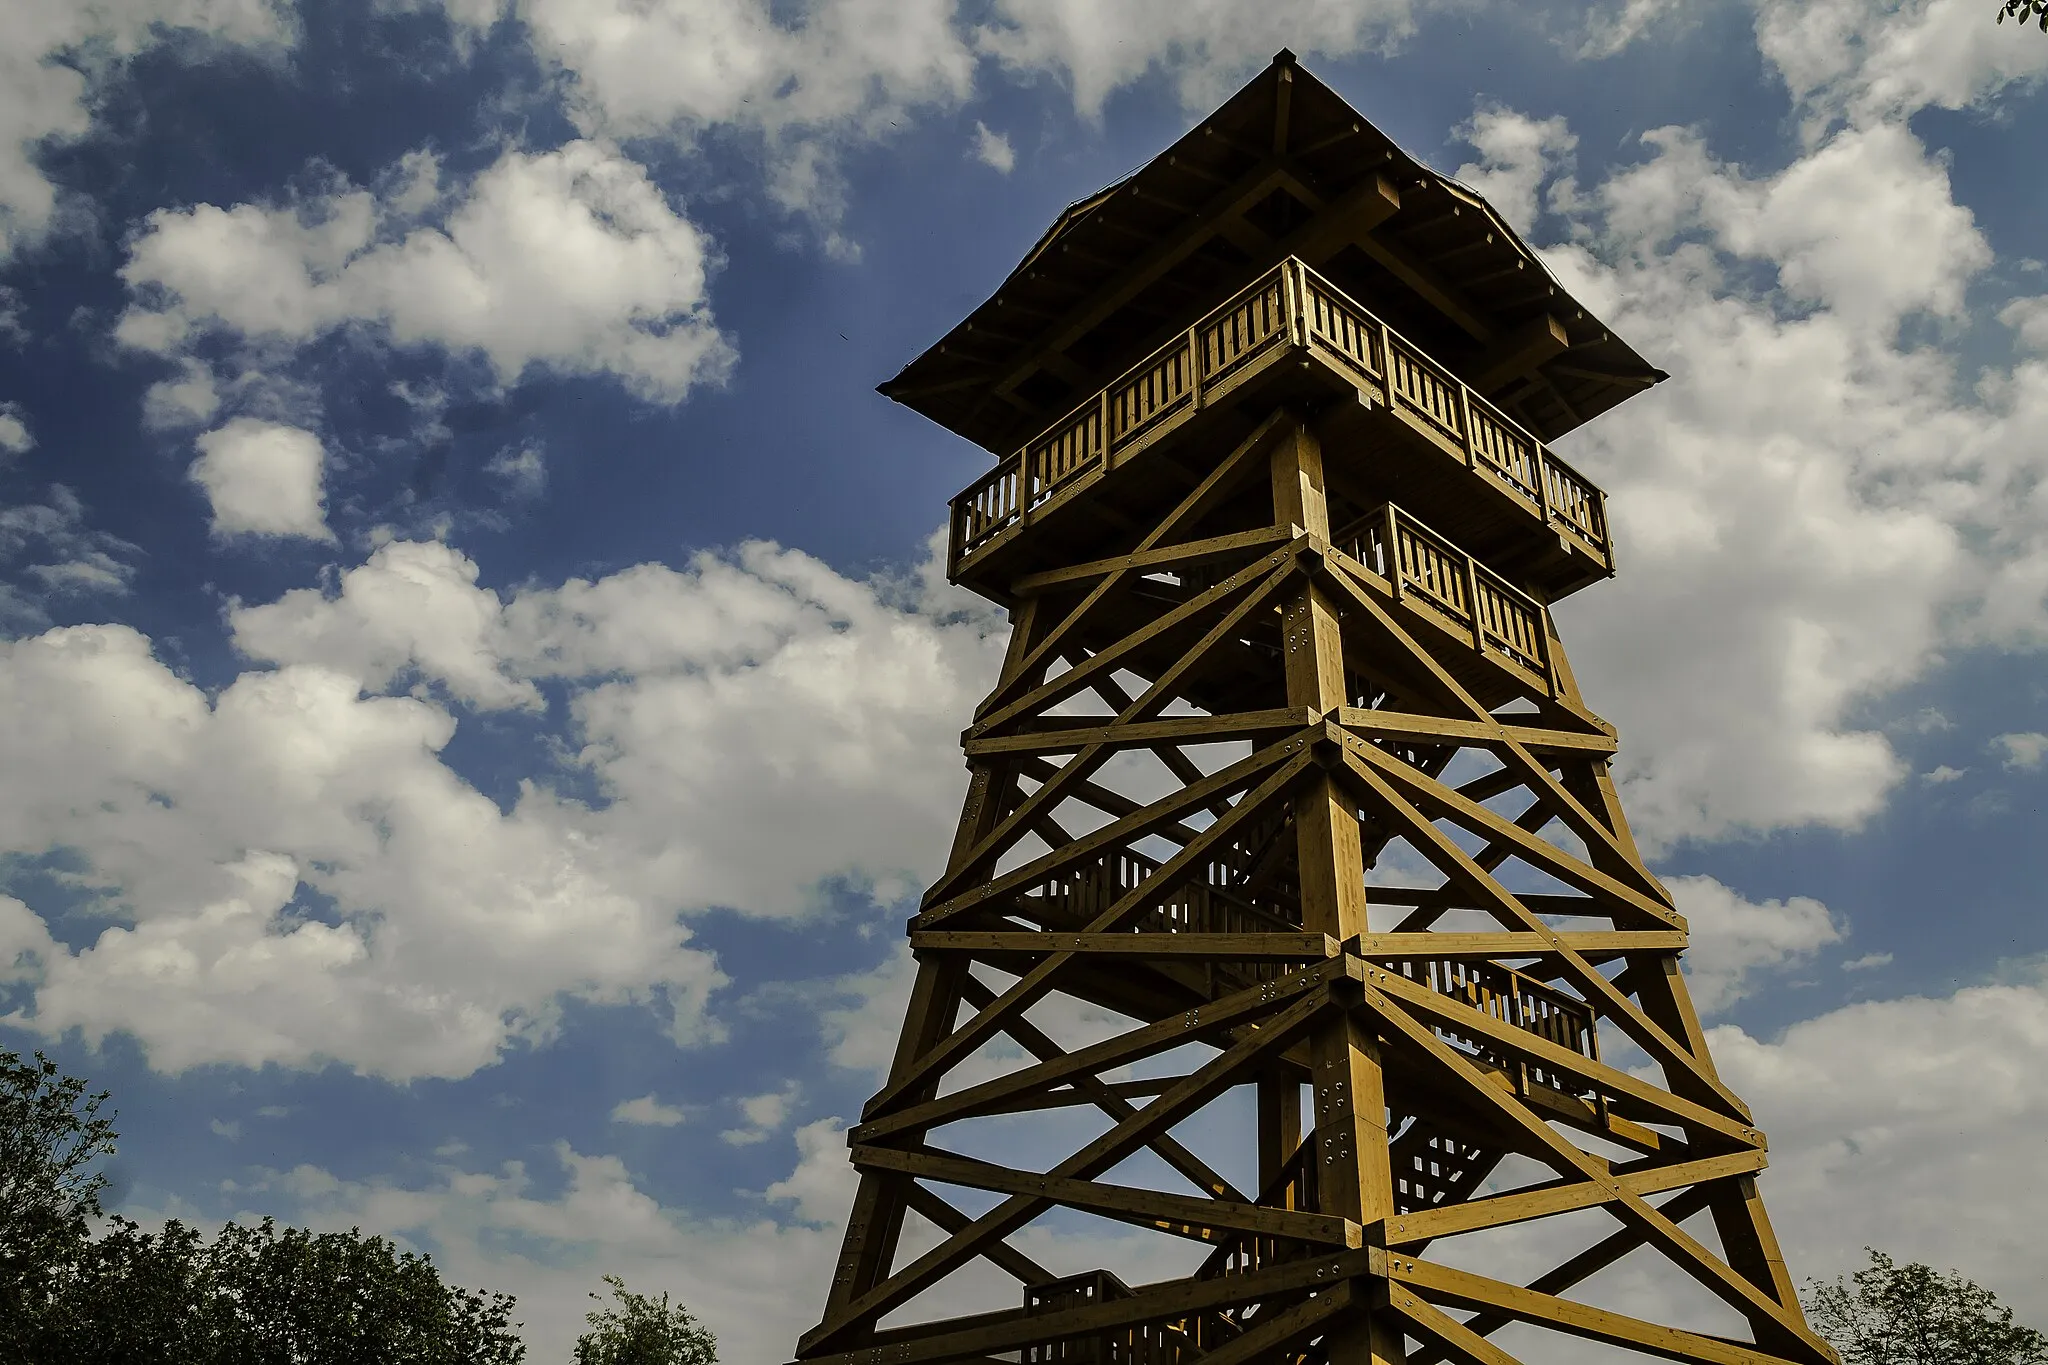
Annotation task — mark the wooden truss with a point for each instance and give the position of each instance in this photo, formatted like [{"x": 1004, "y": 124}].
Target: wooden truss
[{"x": 1202, "y": 759}]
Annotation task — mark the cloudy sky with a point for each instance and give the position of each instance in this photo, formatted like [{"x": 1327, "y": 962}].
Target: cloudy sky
[{"x": 476, "y": 703}]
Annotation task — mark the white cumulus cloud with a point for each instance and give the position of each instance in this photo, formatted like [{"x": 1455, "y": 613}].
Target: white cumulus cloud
[
  {"x": 263, "y": 479},
  {"x": 569, "y": 261},
  {"x": 2024, "y": 750},
  {"x": 1734, "y": 938},
  {"x": 992, "y": 149},
  {"x": 58, "y": 52},
  {"x": 15, "y": 437},
  {"x": 1813, "y": 506},
  {"x": 290, "y": 874},
  {"x": 648, "y": 1111}
]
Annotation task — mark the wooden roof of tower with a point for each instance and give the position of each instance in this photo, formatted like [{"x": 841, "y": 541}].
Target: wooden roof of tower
[{"x": 1286, "y": 167}]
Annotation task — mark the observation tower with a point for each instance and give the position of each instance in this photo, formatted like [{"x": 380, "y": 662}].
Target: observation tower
[{"x": 1287, "y": 793}]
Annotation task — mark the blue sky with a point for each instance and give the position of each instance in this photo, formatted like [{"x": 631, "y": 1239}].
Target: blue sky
[{"x": 476, "y": 704}]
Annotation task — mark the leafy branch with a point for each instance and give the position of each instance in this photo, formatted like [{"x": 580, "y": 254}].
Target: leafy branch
[{"x": 2024, "y": 11}]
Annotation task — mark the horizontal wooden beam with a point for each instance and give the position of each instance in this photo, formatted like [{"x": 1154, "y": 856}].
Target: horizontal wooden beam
[
  {"x": 1521, "y": 1206},
  {"x": 1192, "y": 1216},
  {"x": 1185, "y": 552},
  {"x": 1404, "y": 725},
  {"x": 1164, "y": 1302},
  {"x": 1143, "y": 734},
  {"x": 1205, "y": 1024},
  {"x": 1594, "y": 945},
  {"x": 1232, "y": 947},
  {"x": 1463, "y": 1289}
]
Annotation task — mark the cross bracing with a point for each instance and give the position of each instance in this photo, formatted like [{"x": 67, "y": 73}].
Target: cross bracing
[{"x": 1303, "y": 719}]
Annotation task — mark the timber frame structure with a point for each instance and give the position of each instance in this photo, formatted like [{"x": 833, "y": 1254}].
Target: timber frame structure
[{"x": 1287, "y": 775}]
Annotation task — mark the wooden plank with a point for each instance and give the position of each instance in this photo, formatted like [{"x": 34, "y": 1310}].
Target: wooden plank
[
  {"x": 1463, "y": 1289},
  {"x": 1234, "y": 725},
  {"x": 1491, "y": 825},
  {"x": 1034, "y": 984},
  {"x": 1233, "y": 1012},
  {"x": 1457, "y": 1341},
  {"x": 1076, "y": 679},
  {"x": 1192, "y": 1216},
  {"x": 1191, "y": 506},
  {"x": 1463, "y": 1018},
  {"x": 1140, "y": 822},
  {"x": 1521, "y": 1206},
  {"x": 1600, "y": 992},
  {"x": 946, "y": 1218},
  {"x": 1484, "y": 734},
  {"x": 1591, "y": 945},
  {"x": 1270, "y": 1341},
  {"x": 1574, "y": 815},
  {"x": 1674, "y": 1242},
  {"x": 1163, "y": 1302},
  {"x": 1179, "y": 553},
  {"x": 1108, "y": 1099},
  {"x": 1585, "y": 1265},
  {"x": 1223, "y": 947},
  {"x": 1190, "y": 1094},
  {"x": 1085, "y": 763}
]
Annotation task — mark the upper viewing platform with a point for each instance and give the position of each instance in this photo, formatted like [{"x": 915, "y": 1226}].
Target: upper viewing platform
[
  {"x": 1291, "y": 337},
  {"x": 1285, "y": 194}
]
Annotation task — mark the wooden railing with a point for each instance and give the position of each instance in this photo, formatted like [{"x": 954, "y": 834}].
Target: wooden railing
[
  {"x": 1513, "y": 998},
  {"x": 1294, "y": 1186},
  {"x": 1421, "y": 564},
  {"x": 1290, "y": 305},
  {"x": 1148, "y": 1343},
  {"x": 1202, "y": 903}
]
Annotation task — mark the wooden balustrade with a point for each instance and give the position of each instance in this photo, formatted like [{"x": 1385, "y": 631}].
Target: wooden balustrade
[
  {"x": 1343, "y": 326},
  {"x": 1202, "y": 903},
  {"x": 1516, "y": 999},
  {"x": 1294, "y": 1186},
  {"x": 1145, "y": 1343},
  {"x": 1425, "y": 567},
  {"x": 1290, "y": 305}
]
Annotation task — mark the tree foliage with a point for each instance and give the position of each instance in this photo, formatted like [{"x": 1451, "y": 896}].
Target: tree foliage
[
  {"x": 640, "y": 1330},
  {"x": 248, "y": 1296},
  {"x": 1890, "y": 1314},
  {"x": 262, "y": 1295},
  {"x": 52, "y": 1135},
  {"x": 2024, "y": 10}
]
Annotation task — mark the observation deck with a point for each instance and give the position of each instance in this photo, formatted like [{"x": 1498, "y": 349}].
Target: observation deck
[{"x": 1397, "y": 426}]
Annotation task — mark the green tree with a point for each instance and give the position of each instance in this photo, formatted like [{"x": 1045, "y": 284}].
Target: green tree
[
  {"x": 264, "y": 1295},
  {"x": 259, "y": 1295},
  {"x": 640, "y": 1330},
  {"x": 52, "y": 1136},
  {"x": 2024, "y": 10},
  {"x": 1890, "y": 1314}
]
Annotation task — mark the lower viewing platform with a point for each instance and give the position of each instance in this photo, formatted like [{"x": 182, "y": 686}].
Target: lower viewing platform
[{"x": 1393, "y": 423}]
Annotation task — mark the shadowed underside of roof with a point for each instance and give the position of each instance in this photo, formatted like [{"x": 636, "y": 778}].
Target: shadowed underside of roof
[{"x": 1286, "y": 167}]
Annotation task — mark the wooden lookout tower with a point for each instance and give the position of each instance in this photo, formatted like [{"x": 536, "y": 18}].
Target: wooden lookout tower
[{"x": 1286, "y": 793}]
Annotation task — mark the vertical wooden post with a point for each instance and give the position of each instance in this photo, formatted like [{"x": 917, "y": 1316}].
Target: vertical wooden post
[
  {"x": 1472, "y": 604},
  {"x": 1354, "y": 1172},
  {"x": 1279, "y": 1124},
  {"x": 1393, "y": 536},
  {"x": 1465, "y": 427}
]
